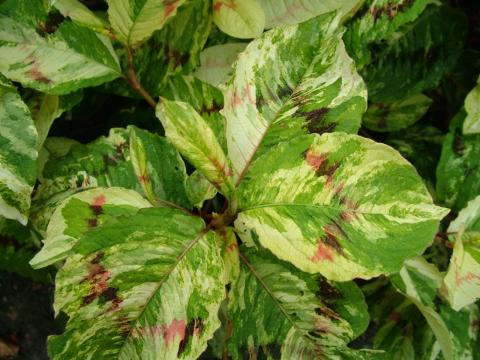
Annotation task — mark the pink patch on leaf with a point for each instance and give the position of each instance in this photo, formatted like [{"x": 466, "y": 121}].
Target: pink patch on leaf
[
  {"x": 99, "y": 200},
  {"x": 323, "y": 253},
  {"x": 175, "y": 329},
  {"x": 314, "y": 160}
]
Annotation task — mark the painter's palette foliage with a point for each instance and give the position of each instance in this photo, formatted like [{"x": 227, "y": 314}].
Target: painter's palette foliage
[{"x": 276, "y": 201}]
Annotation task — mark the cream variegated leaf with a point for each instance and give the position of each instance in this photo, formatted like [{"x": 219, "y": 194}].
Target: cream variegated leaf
[
  {"x": 134, "y": 21},
  {"x": 289, "y": 12},
  {"x": 462, "y": 282},
  {"x": 80, "y": 213},
  {"x": 18, "y": 154},
  {"x": 274, "y": 96},
  {"x": 337, "y": 204},
  {"x": 420, "y": 282},
  {"x": 243, "y": 19},
  {"x": 80, "y": 14},
  {"x": 471, "y": 125},
  {"x": 199, "y": 189},
  {"x": 74, "y": 57},
  {"x": 144, "y": 286},
  {"x": 196, "y": 141},
  {"x": 216, "y": 62},
  {"x": 131, "y": 158},
  {"x": 277, "y": 310}
]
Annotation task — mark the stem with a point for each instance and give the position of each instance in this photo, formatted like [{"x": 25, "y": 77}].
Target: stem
[{"x": 133, "y": 80}]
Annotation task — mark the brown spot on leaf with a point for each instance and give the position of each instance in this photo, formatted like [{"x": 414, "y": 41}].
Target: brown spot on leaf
[
  {"x": 92, "y": 223},
  {"x": 332, "y": 231},
  {"x": 99, "y": 277},
  {"x": 458, "y": 146},
  {"x": 394, "y": 316},
  {"x": 389, "y": 10},
  {"x": 124, "y": 325},
  {"x": 96, "y": 209},
  {"x": 170, "y": 6},
  {"x": 235, "y": 100},
  {"x": 229, "y": 3},
  {"x": 175, "y": 57},
  {"x": 327, "y": 312},
  {"x": 210, "y": 110},
  {"x": 194, "y": 327},
  {"x": 36, "y": 74},
  {"x": 327, "y": 292}
]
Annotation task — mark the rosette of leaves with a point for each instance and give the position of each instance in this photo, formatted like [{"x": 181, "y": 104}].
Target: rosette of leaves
[{"x": 308, "y": 206}]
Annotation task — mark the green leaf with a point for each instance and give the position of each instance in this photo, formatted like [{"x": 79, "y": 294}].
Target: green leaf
[
  {"x": 18, "y": 154},
  {"x": 462, "y": 282},
  {"x": 274, "y": 96},
  {"x": 417, "y": 59},
  {"x": 243, "y": 19},
  {"x": 337, "y": 204},
  {"x": 46, "y": 108},
  {"x": 385, "y": 117},
  {"x": 290, "y": 12},
  {"x": 279, "y": 311},
  {"x": 458, "y": 171},
  {"x": 81, "y": 212},
  {"x": 471, "y": 125},
  {"x": 206, "y": 99},
  {"x": 216, "y": 62},
  {"x": 132, "y": 159},
  {"x": 421, "y": 145},
  {"x": 199, "y": 189},
  {"x": 143, "y": 286},
  {"x": 195, "y": 140},
  {"x": 80, "y": 14},
  {"x": 174, "y": 50},
  {"x": 134, "y": 21},
  {"x": 419, "y": 281},
  {"x": 72, "y": 58},
  {"x": 17, "y": 246},
  {"x": 380, "y": 22}
]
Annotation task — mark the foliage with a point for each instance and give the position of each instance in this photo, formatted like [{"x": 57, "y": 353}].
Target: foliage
[{"x": 244, "y": 179}]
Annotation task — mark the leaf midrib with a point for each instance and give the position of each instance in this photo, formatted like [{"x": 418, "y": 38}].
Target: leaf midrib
[
  {"x": 279, "y": 305},
  {"x": 274, "y": 119},
  {"x": 167, "y": 274}
]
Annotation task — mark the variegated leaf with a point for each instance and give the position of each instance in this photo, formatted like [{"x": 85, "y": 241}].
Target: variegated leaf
[
  {"x": 46, "y": 108},
  {"x": 420, "y": 282},
  {"x": 18, "y": 154},
  {"x": 274, "y": 96},
  {"x": 72, "y": 58},
  {"x": 243, "y": 19},
  {"x": 132, "y": 159},
  {"x": 418, "y": 56},
  {"x": 277, "y": 310},
  {"x": 135, "y": 21},
  {"x": 379, "y": 21},
  {"x": 199, "y": 189},
  {"x": 289, "y": 12},
  {"x": 174, "y": 50},
  {"x": 458, "y": 170},
  {"x": 216, "y": 62},
  {"x": 206, "y": 99},
  {"x": 337, "y": 204},
  {"x": 227, "y": 242},
  {"x": 81, "y": 212},
  {"x": 385, "y": 117},
  {"x": 147, "y": 286},
  {"x": 471, "y": 125},
  {"x": 462, "y": 282},
  {"x": 80, "y": 14},
  {"x": 196, "y": 141}
]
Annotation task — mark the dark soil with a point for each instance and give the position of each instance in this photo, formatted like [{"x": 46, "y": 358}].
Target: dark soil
[{"x": 26, "y": 317}]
